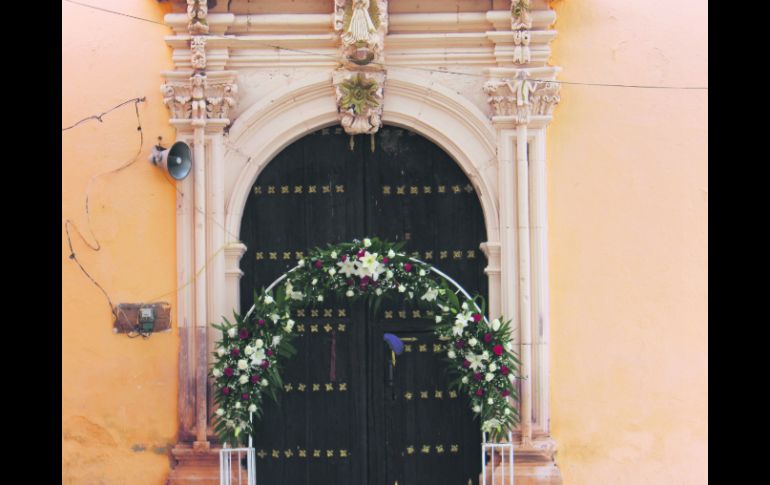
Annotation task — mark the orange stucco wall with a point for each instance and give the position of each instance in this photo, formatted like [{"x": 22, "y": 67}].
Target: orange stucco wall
[
  {"x": 118, "y": 394},
  {"x": 628, "y": 200}
]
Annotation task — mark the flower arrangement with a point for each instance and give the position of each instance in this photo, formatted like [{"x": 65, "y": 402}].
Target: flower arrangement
[{"x": 249, "y": 355}]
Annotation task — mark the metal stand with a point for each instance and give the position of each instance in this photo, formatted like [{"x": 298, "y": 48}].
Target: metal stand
[
  {"x": 226, "y": 464},
  {"x": 505, "y": 448}
]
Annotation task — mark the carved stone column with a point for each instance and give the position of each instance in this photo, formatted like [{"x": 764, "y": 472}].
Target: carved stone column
[
  {"x": 199, "y": 102},
  {"x": 521, "y": 102}
]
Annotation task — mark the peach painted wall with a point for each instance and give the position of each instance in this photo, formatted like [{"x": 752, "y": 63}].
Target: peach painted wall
[
  {"x": 119, "y": 395},
  {"x": 628, "y": 202}
]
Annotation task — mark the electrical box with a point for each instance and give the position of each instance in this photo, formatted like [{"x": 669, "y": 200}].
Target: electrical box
[{"x": 142, "y": 318}]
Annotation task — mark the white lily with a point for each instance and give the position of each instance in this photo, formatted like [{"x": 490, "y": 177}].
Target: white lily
[
  {"x": 348, "y": 267},
  {"x": 475, "y": 360}
]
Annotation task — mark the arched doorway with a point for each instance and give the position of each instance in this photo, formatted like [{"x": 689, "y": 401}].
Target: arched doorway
[{"x": 344, "y": 417}]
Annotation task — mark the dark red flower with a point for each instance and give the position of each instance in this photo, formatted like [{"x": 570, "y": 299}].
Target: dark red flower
[
  {"x": 477, "y": 317},
  {"x": 460, "y": 344},
  {"x": 498, "y": 350},
  {"x": 477, "y": 376},
  {"x": 505, "y": 393},
  {"x": 235, "y": 352},
  {"x": 244, "y": 334},
  {"x": 466, "y": 364},
  {"x": 261, "y": 322},
  {"x": 254, "y": 379},
  {"x": 504, "y": 370},
  {"x": 487, "y": 337},
  {"x": 361, "y": 253},
  {"x": 265, "y": 364},
  {"x": 344, "y": 258},
  {"x": 351, "y": 282},
  {"x": 229, "y": 371},
  {"x": 385, "y": 260},
  {"x": 480, "y": 392},
  {"x": 269, "y": 352},
  {"x": 226, "y": 391},
  {"x": 245, "y": 396},
  {"x": 318, "y": 264},
  {"x": 407, "y": 267}
]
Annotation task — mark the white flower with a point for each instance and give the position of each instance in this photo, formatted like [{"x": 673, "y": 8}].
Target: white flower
[
  {"x": 276, "y": 341},
  {"x": 464, "y": 305},
  {"x": 268, "y": 299},
  {"x": 430, "y": 295},
  {"x": 511, "y": 378},
  {"x": 332, "y": 271},
  {"x": 370, "y": 266},
  {"x": 509, "y": 346},
  {"x": 248, "y": 350},
  {"x": 492, "y": 367},
  {"x": 476, "y": 409},
  {"x": 253, "y": 408},
  {"x": 378, "y": 292},
  {"x": 490, "y": 425},
  {"x": 401, "y": 288},
  {"x": 367, "y": 242},
  {"x": 490, "y": 401},
  {"x": 411, "y": 294},
  {"x": 507, "y": 411},
  {"x": 348, "y": 267},
  {"x": 301, "y": 263},
  {"x": 496, "y": 324},
  {"x": 221, "y": 352},
  {"x": 264, "y": 383},
  {"x": 320, "y": 298},
  {"x": 485, "y": 355},
  {"x": 388, "y": 274},
  {"x": 451, "y": 354},
  {"x": 333, "y": 254},
  {"x": 216, "y": 372},
  {"x": 315, "y": 280},
  {"x": 438, "y": 318},
  {"x": 220, "y": 412},
  {"x": 231, "y": 332},
  {"x": 237, "y": 405},
  {"x": 489, "y": 376},
  {"x": 472, "y": 342},
  {"x": 464, "y": 379},
  {"x": 259, "y": 343},
  {"x": 391, "y": 253},
  {"x": 243, "y": 379},
  {"x": 274, "y": 317},
  {"x": 422, "y": 272},
  {"x": 258, "y": 357},
  {"x": 475, "y": 361},
  {"x": 289, "y": 325},
  {"x": 349, "y": 293},
  {"x": 242, "y": 364}
]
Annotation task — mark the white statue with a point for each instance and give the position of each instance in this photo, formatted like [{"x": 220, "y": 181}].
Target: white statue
[{"x": 361, "y": 26}]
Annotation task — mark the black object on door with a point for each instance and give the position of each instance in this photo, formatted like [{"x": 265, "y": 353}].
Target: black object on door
[{"x": 348, "y": 414}]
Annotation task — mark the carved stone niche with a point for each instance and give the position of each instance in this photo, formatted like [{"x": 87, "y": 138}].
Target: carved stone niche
[
  {"x": 361, "y": 25},
  {"x": 359, "y": 100}
]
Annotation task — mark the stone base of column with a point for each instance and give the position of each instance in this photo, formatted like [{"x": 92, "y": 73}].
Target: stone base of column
[
  {"x": 197, "y": 464},
  {"x": 534, "y": 464}
]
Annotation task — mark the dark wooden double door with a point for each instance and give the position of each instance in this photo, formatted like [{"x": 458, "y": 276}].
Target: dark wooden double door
[{"x": 347, "y": 415}]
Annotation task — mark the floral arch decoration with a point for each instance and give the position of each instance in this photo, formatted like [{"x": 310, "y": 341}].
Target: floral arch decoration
[{"x": 249, "y": 355}]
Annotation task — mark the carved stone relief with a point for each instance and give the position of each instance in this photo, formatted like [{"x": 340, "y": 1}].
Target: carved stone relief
[
  {"x": 359, "y": 101},
  {"x": 199, "y": 98},
  {"x": 521, "y": 22},
  {"x": 197, "y": 10},
  {"x": 521, "y": 98}
]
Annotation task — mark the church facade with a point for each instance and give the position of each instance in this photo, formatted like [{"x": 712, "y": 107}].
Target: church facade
[{"x": 314, "y": 122}]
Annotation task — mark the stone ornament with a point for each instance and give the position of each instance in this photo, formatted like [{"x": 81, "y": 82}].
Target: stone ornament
[
  {"x": 362, "y": 25},
  {"x": 198, "y": 48},
  {"x": 521, "y": 16},
  {"x": 199, "y": 98},
  {"x": 521, "y": 53},
  {"x": 521, "y": 98},
  {"x": 197, "y": 10},
  {"x": 359, "y": 101}
]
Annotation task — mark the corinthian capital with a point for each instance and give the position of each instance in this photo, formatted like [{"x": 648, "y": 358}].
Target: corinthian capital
[{"x": 521, "y": 98}]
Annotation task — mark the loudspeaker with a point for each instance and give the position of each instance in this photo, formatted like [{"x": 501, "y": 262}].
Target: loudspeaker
[{"x": 177, "y": 160}]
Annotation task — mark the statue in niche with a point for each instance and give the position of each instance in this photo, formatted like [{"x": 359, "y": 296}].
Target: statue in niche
[{"x": 361, "y": 26}]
